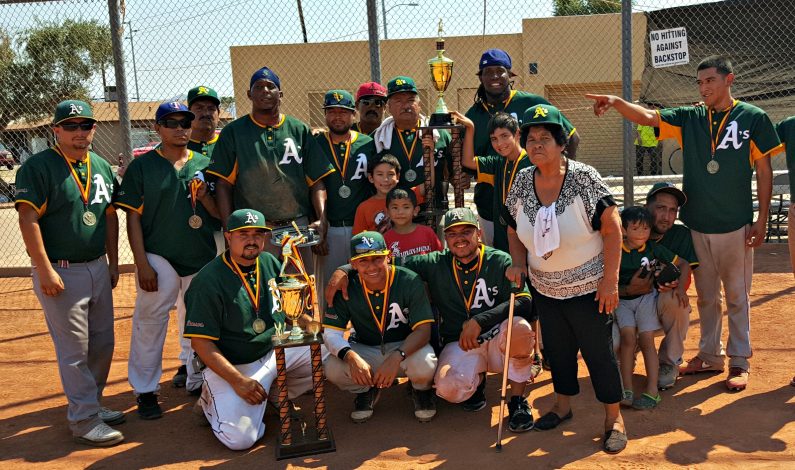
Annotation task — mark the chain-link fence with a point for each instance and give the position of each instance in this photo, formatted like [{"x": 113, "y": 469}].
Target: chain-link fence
[{"x": 561, "y": 49}]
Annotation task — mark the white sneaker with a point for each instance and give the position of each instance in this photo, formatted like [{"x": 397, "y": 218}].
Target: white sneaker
[
  {"x": 101, "y": 436},
  {"x": 111, "y": 417}
]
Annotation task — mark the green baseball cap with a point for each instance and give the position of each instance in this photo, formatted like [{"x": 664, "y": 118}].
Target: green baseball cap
[
  {"x": 245, "y": 218},
  {"x": 368, "y": 244},
  {"x": 542, "y": 114},
  {"x": 338, "y": 99},
  {"x": 399, "y": 85},
  {"x": 203, "y": 92},
  {"x": 71, "y": 109},
  {"x": 666, "y": 187},
  {"x": 459, "y": 216}
]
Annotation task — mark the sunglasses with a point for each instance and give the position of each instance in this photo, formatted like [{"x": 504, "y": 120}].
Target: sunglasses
[
  {"x": 174, "y": 123},
  {"x": 73, "y": 126},
  {"x": 373, "y": 101}
]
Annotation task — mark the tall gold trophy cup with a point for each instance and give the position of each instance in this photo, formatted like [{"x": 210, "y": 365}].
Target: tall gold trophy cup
[{"x": 441, "y": 74}]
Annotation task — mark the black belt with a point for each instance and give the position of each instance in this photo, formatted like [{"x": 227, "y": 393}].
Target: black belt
[
  {"x": 64, "y": 263},
  {"x": 340, "y": 223}
]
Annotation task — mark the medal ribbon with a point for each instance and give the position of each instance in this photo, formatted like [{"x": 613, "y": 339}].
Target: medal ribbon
[
  {"x": 194, "y": 189},
  {"x": 714, "y": 140},
  {"x": 85, "y": 191},
  {"x": 468, "y": 300},
  {"x": 409, "y": 153},
  {"x": 344, "y": 167},
  {"x": 253, "y": 295},
  {"x": 512, "y": 176},
  {"x": 380, "y": 323},
  {"x": 504, "y": 104}
]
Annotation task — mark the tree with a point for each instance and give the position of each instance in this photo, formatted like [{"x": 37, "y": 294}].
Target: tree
[
  {"x": 586, "y": 7},
  {"x": 228, "y": 104},
  {"x": 48, "y": 63}
]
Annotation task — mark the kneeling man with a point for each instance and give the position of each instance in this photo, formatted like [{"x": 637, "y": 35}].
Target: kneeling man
[
  {"x": 229, "y": 322},
  {"x": 389, "y": 309}
]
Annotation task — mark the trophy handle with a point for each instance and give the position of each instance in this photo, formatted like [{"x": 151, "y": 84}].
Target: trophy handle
[{"x": 313, "y": 293}]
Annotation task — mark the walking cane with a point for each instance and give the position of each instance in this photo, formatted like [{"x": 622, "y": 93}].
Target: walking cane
[{"x": 514, "y": 290}]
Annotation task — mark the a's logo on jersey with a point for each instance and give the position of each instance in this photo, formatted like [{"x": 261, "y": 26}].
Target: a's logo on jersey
[
  {"x": 484, "y": 294},
  {"x": 541, "y": 112},
  {"x": 102, "y": 190},
  {"x": 203, "y": 90},
  {"x": 733, "y": 135},
  {"x": 251, "y": 218},
  {"x": 290, "y": 152},
  {"x": 361, "y": 167},
  {"x": 397, "y": 316},
  {"x": 75, "y": 109}
]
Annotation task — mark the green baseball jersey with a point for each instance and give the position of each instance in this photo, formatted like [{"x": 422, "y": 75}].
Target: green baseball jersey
[
  {"x": 271, "y": 167},
  {"x": 481, "y": 113},
  {"x": 407, "y": 148},
  {"x": 499, "y": 172},
  {"x": 719, "y": 202},
  {"x": 786, "y": 133},
  {"x": 350, "y": 160},
  {"x": 46, "y": 182},
  {"x": 460, "y": 292},
  {"x": 633, "y": 259},
  {"x": 218, "y": 308},
  {"x": 204, "y": 148},
  {"x": 405, "y": 308},
  {"x": 153, "y": 188},
  {"x": 679, "y": 241}
]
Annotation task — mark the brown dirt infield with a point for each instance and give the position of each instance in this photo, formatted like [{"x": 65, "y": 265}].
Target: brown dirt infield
[{"x": 698, "y": 423}]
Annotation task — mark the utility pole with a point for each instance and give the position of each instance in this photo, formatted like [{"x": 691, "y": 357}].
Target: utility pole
[{"x": 132, "y": 51}]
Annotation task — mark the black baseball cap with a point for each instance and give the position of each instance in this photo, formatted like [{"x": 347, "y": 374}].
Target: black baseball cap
[{"x": 670, "y": 188}]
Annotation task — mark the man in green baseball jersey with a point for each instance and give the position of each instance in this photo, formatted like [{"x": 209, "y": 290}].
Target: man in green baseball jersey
[
  {"x": 270, "y": 162},
  {"x": 169, "y": 213},
  {"x": 389, "y": 310},
  {"x": 786, "y": 132},
  {"x": 399, "y": 135},
  {"x": 63, "y": 195},
  {"x": 370, "y": 105},
  {"x": 203, "y": 102},
  {"x": 496, "y": 94},
  {"x": 722, "y": 142},
  {"x": 467, "y": 284},
  {"x": 230, "y": 321},
  {"x": 348, "y": 151}
]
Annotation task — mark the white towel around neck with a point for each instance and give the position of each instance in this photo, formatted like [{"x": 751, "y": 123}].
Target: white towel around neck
[
  {"x": 546, "y": 234},
  {"x": 383, "y": 135}
]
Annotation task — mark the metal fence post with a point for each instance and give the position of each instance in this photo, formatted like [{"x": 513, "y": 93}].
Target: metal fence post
[
  {"x": 626, "y": 91},
  {"x": 375, "y": 47},
  {"x": 125, "y": 126}
]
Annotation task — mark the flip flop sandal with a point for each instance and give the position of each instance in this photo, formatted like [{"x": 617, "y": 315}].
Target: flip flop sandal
[{"x": 646, "y": 402}]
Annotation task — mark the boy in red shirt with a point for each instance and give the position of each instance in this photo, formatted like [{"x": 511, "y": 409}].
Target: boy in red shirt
[
  {"x": 406, "y": 238},
  {"x": 371, "y": 214}
]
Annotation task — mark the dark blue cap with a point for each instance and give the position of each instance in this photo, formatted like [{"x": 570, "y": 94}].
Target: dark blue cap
[
  {"x": 494, "y": 57},
  {"x": 172, "y": 107},
  {"x": 265, "y": 74}
]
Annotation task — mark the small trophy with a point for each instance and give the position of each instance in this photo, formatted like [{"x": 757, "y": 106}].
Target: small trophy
[{"x": 441, "y": 73}]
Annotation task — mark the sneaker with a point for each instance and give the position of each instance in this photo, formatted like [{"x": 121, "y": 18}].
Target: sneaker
[
  {"x": 667, "y": 377},
  {"x": 148, "y": 408},
  {"x": 537, "y": 367},
  {"x": 111, "y": 417},
  {"x": 424, "y": 405},
  {"x": 181, "y": 377},
  {"x": 697, "y": 366},
  {"x": 737, "y": 379},
  {"x": 627, "y": 398},
  {"x": 363, "y": 405},
  {"x": 101, "y": 436},
  {"x": 478, "y": 399},
  {"x": 521, "y": 415}
]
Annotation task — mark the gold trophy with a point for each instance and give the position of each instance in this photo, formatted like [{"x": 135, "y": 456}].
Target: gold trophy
[{"x": 441, "y": 73}]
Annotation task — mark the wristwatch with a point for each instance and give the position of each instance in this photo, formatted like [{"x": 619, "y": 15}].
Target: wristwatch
[{"x": 401, "y": 352}]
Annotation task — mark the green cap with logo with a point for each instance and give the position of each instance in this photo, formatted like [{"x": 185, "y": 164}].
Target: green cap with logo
[
  {"x": 543, "y": 114},
  {"x": 245, "y": 218},
  {"x": 666, "y": 187},
  {"x": 368, "y": 244},
  {"x": 401, "y": 84},
  {"x": 71, "y": 109},
  {"x": 459, "y": 216},
  {"x": 338, "y": 99},
  {"x": 203, "y": 92}
]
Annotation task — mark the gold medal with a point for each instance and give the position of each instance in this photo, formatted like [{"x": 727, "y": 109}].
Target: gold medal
[
  {"x": 195, "y": 221},
  {"x": 411, "y": 175},
  {"x": 89, "y": 218},
  {"x": 345, "y": 191},
  {"x": 258, "y": 325},
  {"x": 713, "y": 166}
]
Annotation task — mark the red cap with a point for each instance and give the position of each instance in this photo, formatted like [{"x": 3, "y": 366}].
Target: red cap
[{"x": 370, "y": 89}]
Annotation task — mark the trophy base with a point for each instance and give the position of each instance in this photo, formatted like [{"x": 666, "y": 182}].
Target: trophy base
[
  {"x": 304, "y": 444},
  {"x": 441, "y": 120}
]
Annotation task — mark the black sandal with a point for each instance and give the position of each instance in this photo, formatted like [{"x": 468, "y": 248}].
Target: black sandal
[
  {"x": 551, "y": 420},
  {"x": 614, "y": 442}
]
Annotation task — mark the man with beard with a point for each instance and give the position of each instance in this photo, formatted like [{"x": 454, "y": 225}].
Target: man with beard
[
  {"x": 203, "y": 102},
  {"x": 63, "y": 195},
  {"x": 270, "y": 162},
  {"x": 467, "y": 284},
  {"x": 169, "y": 211},
  {"x": 348, "y": 151},
  {"x": 230, "y": 322},
  {"x": 495, "y": 94},
  {"x": 370, "y": 104}
]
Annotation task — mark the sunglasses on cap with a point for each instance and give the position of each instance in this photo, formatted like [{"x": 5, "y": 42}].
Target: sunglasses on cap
[
  {"x": 174, "y": 123},
  {"x": 373, "y": 101},
  {"x": 73, "y": 126}
]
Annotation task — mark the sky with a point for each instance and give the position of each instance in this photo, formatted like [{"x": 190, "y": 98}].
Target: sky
[{"x": 179, "y": 43}]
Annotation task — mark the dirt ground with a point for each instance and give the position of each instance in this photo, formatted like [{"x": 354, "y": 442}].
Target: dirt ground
[{"x": 698, "y": 424}]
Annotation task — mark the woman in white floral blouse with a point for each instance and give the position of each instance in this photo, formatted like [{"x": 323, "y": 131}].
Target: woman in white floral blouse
[{"x": 565, "y": 232}]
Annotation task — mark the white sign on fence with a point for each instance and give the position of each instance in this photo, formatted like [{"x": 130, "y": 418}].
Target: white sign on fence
[{"x": 669, "y": 47}]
